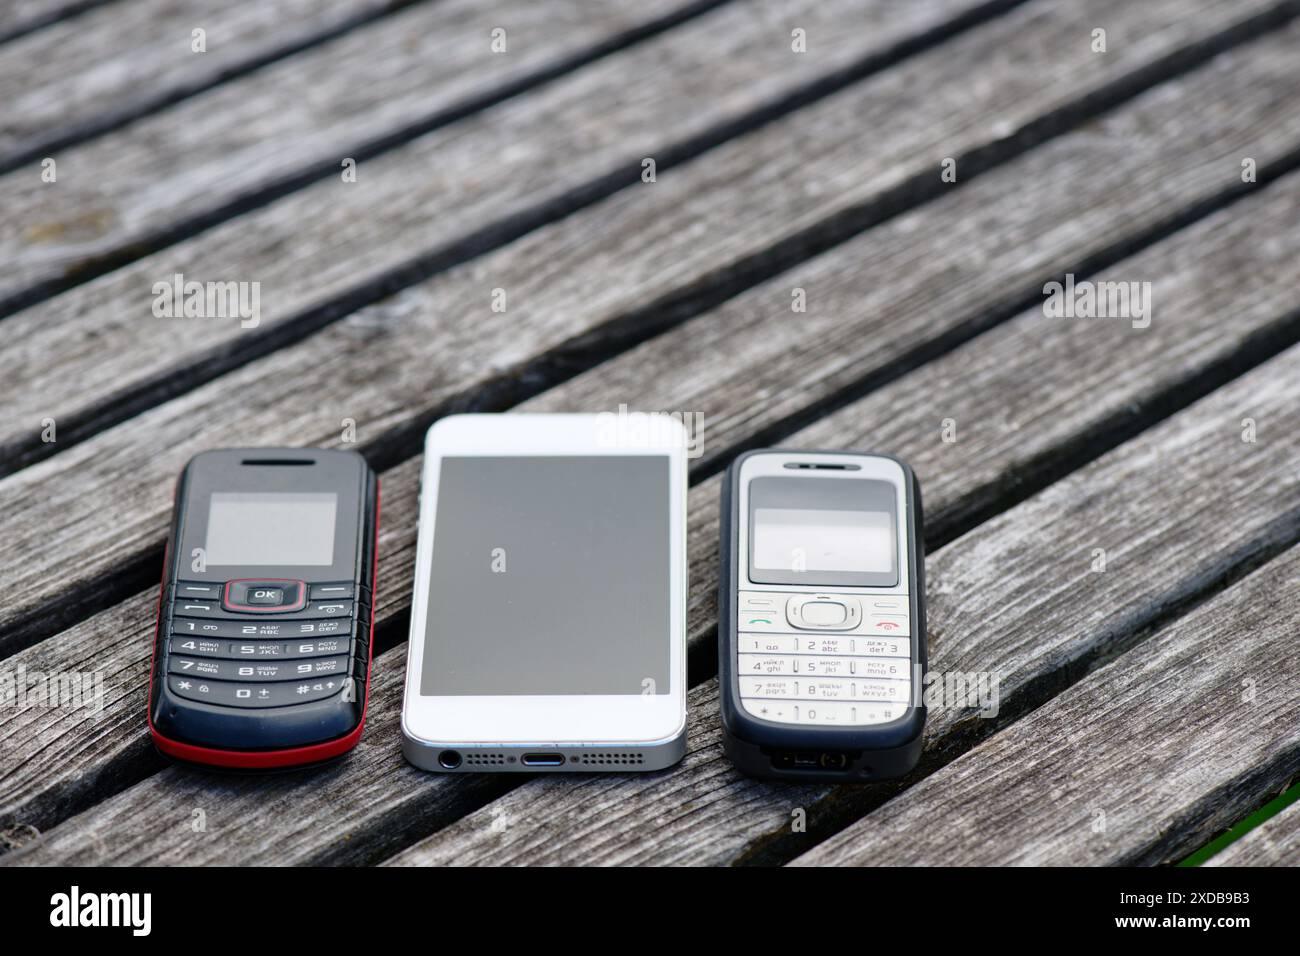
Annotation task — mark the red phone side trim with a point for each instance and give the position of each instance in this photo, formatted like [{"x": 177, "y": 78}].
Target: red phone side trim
[{"x": 267, "y": 759}]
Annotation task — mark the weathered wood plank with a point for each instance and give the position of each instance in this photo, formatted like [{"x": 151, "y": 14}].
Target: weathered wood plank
[
  {"x": 454, "y": 356},
  {"x": 1275, "y": 842},
  {"x": 417, "y": 207},
  {"x": 1016, "y": 596},
  {"x": 741, "y": 817},
  {"x": 376, "y": 800},
  {"x": 993, "y": 447},
  {"x": 297, "y": 120},
  {"x": 95, "y": 71},
  {"x": 134, "y": 188},
  {"x": 1139, "y": 763},
  {"x": 20, "y": 17},
  {"x": 359, "y": 236},
  {"x": 641, "y": 243},
  {"x": 894, "y": 295}
]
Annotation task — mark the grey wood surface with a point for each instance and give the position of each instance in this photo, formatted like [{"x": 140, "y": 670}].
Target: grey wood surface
[
  {"x": 1141, "y": 762},
  {"x": 1275, "y": 842},
  {"x": 638, "y": 244},
  {"x": 117, "y": 62},
  {"x": 20, "y": 17},
  {"x": 331, "y": 246},
  {"x": 776, "y": 171},
  {"x": 305, "y": 112},
  {"x": 673, "y": 365},
  {"x": 1069, "y": 346},
  {"x": 1015, "y": 596}
]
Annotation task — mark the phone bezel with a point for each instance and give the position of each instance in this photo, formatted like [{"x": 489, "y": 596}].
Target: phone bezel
[{"x": 546, "y": 720}]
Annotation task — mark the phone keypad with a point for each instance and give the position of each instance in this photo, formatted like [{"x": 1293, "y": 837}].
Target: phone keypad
[
  {"x": 824, "y": 658},
  {"x": 820, "y": 712},
  {"x": 266, "y": 656},
  {"x": 259, "y": 670},
  {"x": 232, "y": 694}
]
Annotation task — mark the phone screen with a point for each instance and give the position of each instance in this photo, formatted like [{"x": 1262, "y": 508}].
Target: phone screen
[
  {"x": 550, "y": 576},
  {"x": 816, "y": 539},
  {"x": 823, "y": 531},
  {"x": 271, "y": 528}
]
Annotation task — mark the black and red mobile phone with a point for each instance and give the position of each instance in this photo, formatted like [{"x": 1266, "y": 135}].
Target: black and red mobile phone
[{"x": 262, "y": 651}]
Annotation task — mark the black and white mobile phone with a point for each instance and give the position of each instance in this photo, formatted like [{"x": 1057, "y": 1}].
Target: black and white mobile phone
[
  {"x": 262, "y": 651},
  {"x": 821, "y": 616}
]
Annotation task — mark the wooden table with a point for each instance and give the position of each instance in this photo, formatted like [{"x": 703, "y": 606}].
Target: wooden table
[{"x": 826, "y": 224}]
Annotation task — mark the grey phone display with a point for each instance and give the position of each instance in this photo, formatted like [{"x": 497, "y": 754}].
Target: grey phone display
[
  {"x": 550, "y": 575},
  {"x": 823, "y": 532},
  {"x": 271, "y": 528}
]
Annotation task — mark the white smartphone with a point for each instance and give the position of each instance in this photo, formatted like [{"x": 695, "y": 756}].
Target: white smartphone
[{"x": 548, "y": 624}]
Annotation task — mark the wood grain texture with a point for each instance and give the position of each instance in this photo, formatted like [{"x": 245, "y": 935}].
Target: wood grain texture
[
  {"x": 375, "y": 799},
  {"x": 57, "y": 751},
  {"x": 1139, "y": 763},
  {"x": 1016, "y": 596},
  {"x": 995, "y": 443},
  {"x": 954, "y": 264},
  {"x": 1275, "y": 842},
  {"x": 120, "y": 61},
  {"x": 577, "y": 275},
  {"x": 738, "y": 814},
  {"x": 20, "y": 17},
  {"x": 426, "y": 201},
  {"x": 305, "y": 114}
]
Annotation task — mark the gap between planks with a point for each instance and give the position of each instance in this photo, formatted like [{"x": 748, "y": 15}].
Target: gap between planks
[
  {"x": 665, "y": 361},
  {"x": 138, "y": 559},
  {"x": 82, "y": 78},
  {"x": 19, "y": 19},
  {"x": 1269, "y": 533},
  {"x": 150, "y": 382},
  {"x": 1275, "y": 842},
  {"x": 395, "y": 107},
  {"x": 1138, "y": 763},
  {"x": 1007, "y": 350}
]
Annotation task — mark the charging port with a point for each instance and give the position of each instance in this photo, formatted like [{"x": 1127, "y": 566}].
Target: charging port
[
  {"x": 812, "y": 760},
  {"x": 543, "y": 760}
]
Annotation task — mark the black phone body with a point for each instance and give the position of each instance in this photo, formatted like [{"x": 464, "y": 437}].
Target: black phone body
[
  {"x": 821, "y": 610},
  {"x": 263, "y": 640}
]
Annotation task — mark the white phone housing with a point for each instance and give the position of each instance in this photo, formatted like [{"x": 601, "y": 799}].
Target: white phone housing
[{"x": 556, "y": 733}]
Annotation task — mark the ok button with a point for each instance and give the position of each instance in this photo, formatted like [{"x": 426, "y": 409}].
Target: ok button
[
  {"x": 824, "y": 613},
  {"x": 265, "y": 597},
  {"x": 833, "y": 612}
]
